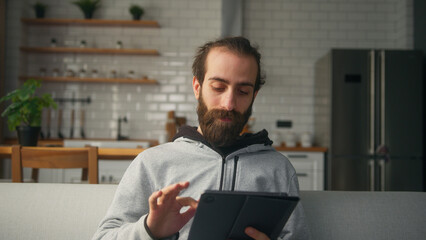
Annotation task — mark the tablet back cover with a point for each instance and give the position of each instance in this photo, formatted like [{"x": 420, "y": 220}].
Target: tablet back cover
[{"x": 225, "y": 215}]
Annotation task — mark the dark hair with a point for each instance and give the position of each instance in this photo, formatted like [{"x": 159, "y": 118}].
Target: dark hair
[{"x": 239, "y": 45}]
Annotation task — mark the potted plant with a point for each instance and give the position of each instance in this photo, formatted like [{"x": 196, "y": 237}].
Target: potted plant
[
  {"x": 24, "y": 112},
  {"x": 40, "y": 9},
  {"x": 88, "y": 7},
  {"x": 136, "y": 11}
]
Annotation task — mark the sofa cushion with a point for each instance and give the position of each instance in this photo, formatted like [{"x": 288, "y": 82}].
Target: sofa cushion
[{"x": 365, "y": 215}]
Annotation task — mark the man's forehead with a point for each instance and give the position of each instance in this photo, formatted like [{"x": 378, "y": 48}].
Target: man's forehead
[{"x": 222, "y": 49}]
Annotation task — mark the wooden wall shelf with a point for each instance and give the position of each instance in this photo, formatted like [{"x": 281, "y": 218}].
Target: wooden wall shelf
[
  {"x": 151, "y": 52},
  {"x": 92, "y": 80},
  {"x": 92, "y": 22}
]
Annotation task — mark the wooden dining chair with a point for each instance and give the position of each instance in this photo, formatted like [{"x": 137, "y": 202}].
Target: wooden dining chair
[{"x": 54, "y": 157}]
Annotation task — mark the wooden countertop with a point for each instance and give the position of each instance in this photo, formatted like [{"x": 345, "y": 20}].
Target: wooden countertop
[
  {"x": 103, "y": 153},
  {"x": 5, "y": 151},
  {"x": 131, "y": 153}
]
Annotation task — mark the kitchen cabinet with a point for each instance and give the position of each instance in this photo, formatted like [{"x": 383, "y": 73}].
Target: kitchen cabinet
[
  {"x": 87, "y": 50},
  {"x": 309, "y": 167}
]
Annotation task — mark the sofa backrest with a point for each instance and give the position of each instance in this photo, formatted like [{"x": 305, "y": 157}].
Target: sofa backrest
[
  {"x": 52, "y": 211},
  {"x": 365, "y": 215},
  {"x": 73, "y": 211}
]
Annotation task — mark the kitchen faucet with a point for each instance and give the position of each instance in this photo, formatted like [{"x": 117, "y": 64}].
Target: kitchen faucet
[{"x": 119, "y": 136}]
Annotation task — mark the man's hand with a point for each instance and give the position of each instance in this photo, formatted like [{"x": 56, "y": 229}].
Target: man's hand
[
  {"x": 164, "y": 217},
  {"x": 255, "y": 234}
]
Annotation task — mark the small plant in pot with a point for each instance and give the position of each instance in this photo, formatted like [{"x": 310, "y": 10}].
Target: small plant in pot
[
  {"x": 24, "y": 112},
  {"x": 136, "y": 11},
  {"x": 88, "y": 7},
  {"x": 39, "y": 9}
]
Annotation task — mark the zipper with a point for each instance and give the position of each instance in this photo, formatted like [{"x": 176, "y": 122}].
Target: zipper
[
  {"x": 234, "y": 176},
  {"x": 221, "y": 174}
]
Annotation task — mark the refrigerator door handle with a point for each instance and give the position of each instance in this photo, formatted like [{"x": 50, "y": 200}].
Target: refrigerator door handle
[
  {"x": 371, "y": 173},
  {"x": 382, "y": 165},
  {"x": 382, "y": 98},
  {"x": 372, "y": 100}
]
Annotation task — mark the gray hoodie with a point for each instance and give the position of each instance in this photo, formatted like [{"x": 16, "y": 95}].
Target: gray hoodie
[{"x": 251, "y": 165}]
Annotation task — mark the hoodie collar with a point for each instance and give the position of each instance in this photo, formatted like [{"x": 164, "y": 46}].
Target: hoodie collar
[{"x": 242, "y": 141}]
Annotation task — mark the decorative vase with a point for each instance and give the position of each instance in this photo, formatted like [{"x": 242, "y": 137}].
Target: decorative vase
[
  {"x": 28, "y": 136},
  {"x": 137, "y": 17},
  {"x": 39, "y": 12},
  {"x": 88, "y": 14}
]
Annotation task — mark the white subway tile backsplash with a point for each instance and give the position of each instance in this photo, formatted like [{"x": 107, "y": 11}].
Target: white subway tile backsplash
[{"x": 292, "y": 35}]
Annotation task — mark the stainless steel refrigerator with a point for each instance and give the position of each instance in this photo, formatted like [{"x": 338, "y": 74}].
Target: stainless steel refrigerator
[{"x": 369, "y": 113}]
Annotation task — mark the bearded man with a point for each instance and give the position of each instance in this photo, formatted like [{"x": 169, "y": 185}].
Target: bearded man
[{"x": 212, "y": 156}]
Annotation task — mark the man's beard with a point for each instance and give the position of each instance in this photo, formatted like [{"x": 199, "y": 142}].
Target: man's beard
[{"x": 217, "y": 132}]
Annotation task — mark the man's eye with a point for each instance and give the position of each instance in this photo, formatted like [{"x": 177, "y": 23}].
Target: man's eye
[
  {"x": 218, "y": 89},
  {"x": 244, "y": 92}
]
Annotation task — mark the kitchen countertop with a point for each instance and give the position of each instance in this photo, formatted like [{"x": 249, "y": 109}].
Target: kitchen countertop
[
  {"x": 131, "y": 153},
  {"x": 103, "y": 153}
]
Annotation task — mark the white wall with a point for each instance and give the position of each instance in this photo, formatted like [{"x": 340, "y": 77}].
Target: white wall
[{"x": 291, "y": 34}]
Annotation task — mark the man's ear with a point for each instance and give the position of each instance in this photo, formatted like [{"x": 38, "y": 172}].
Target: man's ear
[
  {"x": 255, "y": 94},
  {"x": 196, "y": 87}
]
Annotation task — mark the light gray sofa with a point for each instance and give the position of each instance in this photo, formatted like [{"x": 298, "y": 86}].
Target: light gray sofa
[{"x": 73, "y": 211}]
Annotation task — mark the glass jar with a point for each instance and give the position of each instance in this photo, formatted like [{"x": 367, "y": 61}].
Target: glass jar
[
  {"x": 55, "y": 72},
  {"x": 95, "y": 73},
  {"x": 131, "y": 74},
  {"x": 113, "y": 74},
  {"x": 42, "y": 72},
  {"x": 69, "y": 73}
]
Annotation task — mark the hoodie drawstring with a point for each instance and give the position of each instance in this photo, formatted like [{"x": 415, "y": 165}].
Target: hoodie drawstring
[
  {"x": 235, "y": 172},
  {"x": 221, "y": 174}
]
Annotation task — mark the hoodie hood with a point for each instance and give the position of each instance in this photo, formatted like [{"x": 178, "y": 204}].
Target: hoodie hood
[{"x": 242, "y": 141}]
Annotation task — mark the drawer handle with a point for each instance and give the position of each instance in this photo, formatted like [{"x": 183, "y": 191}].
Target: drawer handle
[
  {"x": 298, "y": 156},
  {"x": 301, "y": 174}
]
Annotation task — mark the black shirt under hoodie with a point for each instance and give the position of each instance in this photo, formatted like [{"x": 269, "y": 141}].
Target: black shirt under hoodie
[{"x": 242, "y": 141}]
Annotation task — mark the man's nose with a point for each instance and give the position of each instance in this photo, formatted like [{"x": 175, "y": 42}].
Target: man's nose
[{"x": 228, "y": 101}]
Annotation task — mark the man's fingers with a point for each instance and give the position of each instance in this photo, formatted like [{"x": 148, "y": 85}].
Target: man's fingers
[
  {"x": 172, "y": 191},
  {"x": 153, "y": 199},
  {"x": 187, "y": 201},
  {"x": 255, "y": 234},
  {"x": 188, "y": 214}
]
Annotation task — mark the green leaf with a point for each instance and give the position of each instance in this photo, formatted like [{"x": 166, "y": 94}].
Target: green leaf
[{"x": 26, "y": 108}]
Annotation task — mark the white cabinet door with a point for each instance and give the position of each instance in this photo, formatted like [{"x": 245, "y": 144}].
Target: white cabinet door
[{"x": 309, "y": 168}]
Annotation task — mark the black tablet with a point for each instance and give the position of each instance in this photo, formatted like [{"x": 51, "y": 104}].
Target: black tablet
[{"x": 224, "y": 215}]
